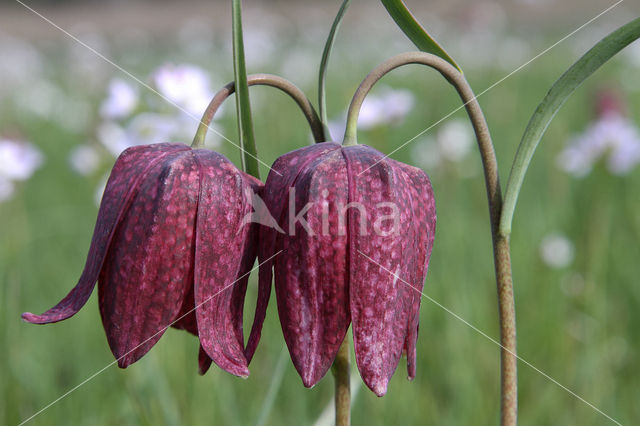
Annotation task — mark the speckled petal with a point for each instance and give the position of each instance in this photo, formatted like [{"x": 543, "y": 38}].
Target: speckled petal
[
  {"x": 221, "y": 242},
  {"x": 204, "y": 362},
  {"x": 129, "y": 171},
  {"x": 281, "y": 177},
  {"x": 186, "y": 318},
  {"x": 423, "y": 209},
  {"x": 146, "y": 273},
  {"x": 249, "y": 234},
  {"x": 379, "y": 301},
  {"x": 311, "y": 275}
]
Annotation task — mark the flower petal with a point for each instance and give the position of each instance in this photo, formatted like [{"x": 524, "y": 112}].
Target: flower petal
[
  {"x": 221, "y": 243},
  {"x": 204, "y": 362},
  {"x": 147, "y": 271},
  {"x": 127, "y": 174},
  {"x": 311, "y": 276},
  {"x": 381, "y": 256},
  {"x": 281, "y": 177},
  {"x": 186, "y": 319},
  {"x": 423, "y": 207}
]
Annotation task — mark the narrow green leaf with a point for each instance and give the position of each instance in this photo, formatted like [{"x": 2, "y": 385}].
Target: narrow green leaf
[
  {"x": 555, "y": 98},
  {"x": 322, "y": 97},
  {"x": 243, "y": 106},
  {"x": 412, "y": 29}
]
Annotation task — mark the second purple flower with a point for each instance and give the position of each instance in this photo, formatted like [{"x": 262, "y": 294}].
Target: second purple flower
[{"x": 356, "y": 233}]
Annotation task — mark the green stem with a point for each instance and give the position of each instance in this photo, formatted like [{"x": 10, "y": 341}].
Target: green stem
[
  {"x": 414, "y": 31},
  {"x": 342, "y": 377},
  {"x": 507, "y": 318},
  {"x": 502, "y": 261},
  {"x": 322, "y": 96},
  {"x": 260, "y": 80},
  {"x": 243, "y": 106},
  {"x": 589, "y": 63}
]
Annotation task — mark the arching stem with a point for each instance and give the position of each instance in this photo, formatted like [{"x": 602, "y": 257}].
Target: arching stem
[
  {"x": 261, "y": 80},
  {"x": 501, "y": 251}
]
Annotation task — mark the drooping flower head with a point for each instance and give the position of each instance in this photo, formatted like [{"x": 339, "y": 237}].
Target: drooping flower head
[
  {"x": 170, "y": 247},
  {"x": 357, "y": 232}
]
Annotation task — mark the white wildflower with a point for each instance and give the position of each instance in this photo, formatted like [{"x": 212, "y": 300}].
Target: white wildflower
[
  {"x": 122, "y": 99},
  {"x": 19, "y": 160},
  {"x": 557, "y": 251},
  {"x": 455, "y": 139},
  {"x": 426, "y": 153},
  {"x": 398, "y": 104},
  {"x": 372, "y": 113},
  {"x": 186, "y": 85},
  {"x": 389, "y": 106},
  {"x": 113, "y": 137},
  {"x": 151, "y": 128},
  {"x": 143, "y": 129},
  {"x": 84, "y": 159},
  {"x": 614, "y": 137},
  {"x": 452, "y": 142}
]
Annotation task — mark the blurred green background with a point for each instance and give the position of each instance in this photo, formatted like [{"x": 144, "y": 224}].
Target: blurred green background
[{"x": 578, "y": 307}]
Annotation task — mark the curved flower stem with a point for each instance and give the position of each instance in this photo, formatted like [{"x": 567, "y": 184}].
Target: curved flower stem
[
  {"x": 501, "y": 251},
  {"x": 341, "y": 374},
  {"x": 261, "y": 80}
]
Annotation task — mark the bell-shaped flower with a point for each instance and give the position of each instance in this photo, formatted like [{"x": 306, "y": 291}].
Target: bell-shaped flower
[
  {"x": 170, "y": 247},
  {"x": 357, "y": 233}
]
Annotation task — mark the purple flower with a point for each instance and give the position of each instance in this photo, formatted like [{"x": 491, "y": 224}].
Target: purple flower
[
  {"x": 358, "y": 231},
  {"x": 170, "y": 248}
]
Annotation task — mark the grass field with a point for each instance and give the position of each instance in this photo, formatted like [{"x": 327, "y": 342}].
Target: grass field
[{"x": 578, "y": 323}]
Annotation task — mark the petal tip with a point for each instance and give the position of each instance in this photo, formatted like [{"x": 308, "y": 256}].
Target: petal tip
[
  {"x": 37, "y": 319},
  {"x": 29, "y": 317},
  {"x": 308, "y": 385},
  {"x": 125, "y": 360},
  {"x": 310, "y": 378},
  {"x": 380, "y": 389},
  {"x": 241, "y": 371},
  {"x": 379, "y": 386}
]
